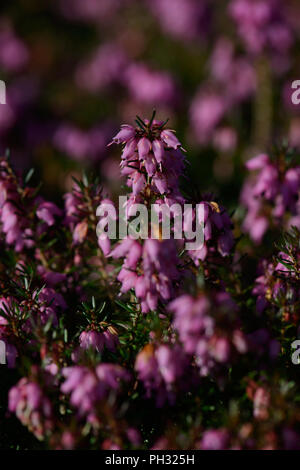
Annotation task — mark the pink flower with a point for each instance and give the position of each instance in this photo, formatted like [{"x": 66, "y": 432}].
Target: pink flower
[
  {"x": 170, "y": 139},
  {"x": 215, "y": 439},
  {"x": 13, "y": 53},
  {"x": 126, "y": 134},
  {"x": 88, "y": 387},
  {"x": 144, "y": 147},
  {"x": 270, "y": 196},
  {"x": 206, "y": 112},
  {"x": 261, "y": 25},
  {"x": 261, "y": 402},
  {"x": 150, "y": 86},
  {"x": 91, "y": 339},
  {"x": 187, "y": 20},
  {"x": 217, "y": 232},
  {"x": 160, "y": 369},
  {"x": 99, "y": 340}
]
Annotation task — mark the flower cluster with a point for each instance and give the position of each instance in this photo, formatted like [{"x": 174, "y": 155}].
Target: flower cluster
[
  {"x": 87, "y": 388},
  {"x": 15, "y": 224},
  {"x": 179, "y": 330},
  {"x": 152, "y": 159},
  {"x": 80, "y": 206},
  {"x": 152, "y": 162},
  {"x": 94, "y": 339},
  {"x": 161, "y": 369},
  {"x": 262, "y": 25},
  {"x": 185, "y": 19},
  {"x": 271, "y": 196},
  {"x": 232, "y": 82},
  {"x": 150, "y": 269}
]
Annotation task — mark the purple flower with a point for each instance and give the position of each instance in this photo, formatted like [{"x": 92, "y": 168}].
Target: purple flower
[
  {"x": 13, "y": 223},
  {"x": 88, "y": 387},
  {"x": 150, "y": 86},
  {"x": 270, "y": 196},
  {"x": 50, "y": 296},
  {"x": 77, "y": 209},
  {"x": 217, "y": 231},
  {"x": 276, "y": 283},
  {"x": 225, "y": 139},
  {"x": 81, "y": 144},
  {"x": 52, "y": 278},
  {"x": 161, "y": 369},
  {"x": 156, "y": 261},
  {"x": 262, "y": 25},
  {"x": 99, "y": 340},
  {"x": 206, "y": 112},
  {"x": 32, "y": 407},
  {"x": 154, "y": 151},
  {"x": 104, "y": 68},
  {"x": 13, "y": 52},
  {"x": 92, "y": 339},
  {"x": 198, "y": 321},
  {"x": 47, "y": 211},
  {"x": 291, "y": 439},
  {"x": 126, "y": 134}
]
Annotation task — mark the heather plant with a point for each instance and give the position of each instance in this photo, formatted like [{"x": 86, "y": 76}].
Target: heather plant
[{"x": 101, "y": 334}]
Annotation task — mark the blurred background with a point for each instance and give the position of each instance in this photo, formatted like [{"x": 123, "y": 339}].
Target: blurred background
[{"x": 75, "y": 70}]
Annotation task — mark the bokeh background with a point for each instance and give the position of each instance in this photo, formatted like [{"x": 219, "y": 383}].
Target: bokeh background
[{"x": 221, "y": 71}]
